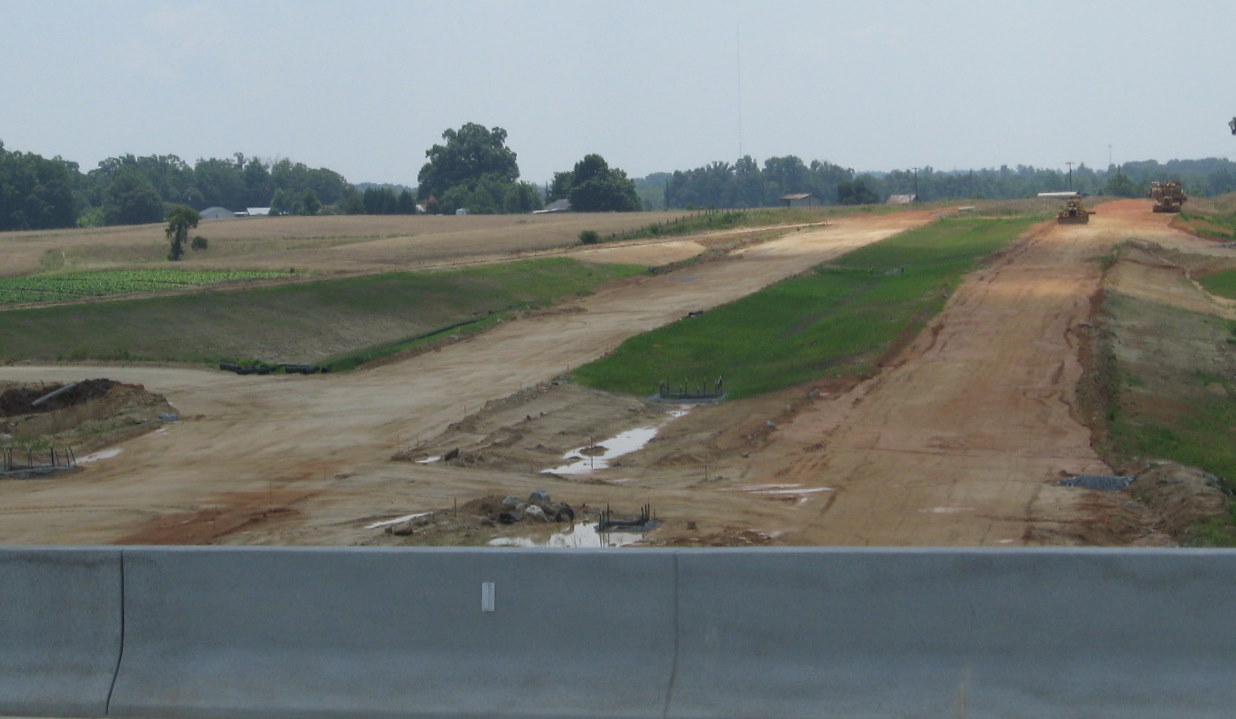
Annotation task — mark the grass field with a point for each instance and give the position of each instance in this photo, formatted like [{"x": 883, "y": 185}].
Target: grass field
[
  {"x": 837, "y": 320},
  {"x": 1168, "y": 392},
  {"x": 85, "y": 285},
  {"x": 310, "y": 322},
  {"x": 363, "y": 243},
  {"x": 1213, "y": 217},
  {"x": 1221, "y": 283}
]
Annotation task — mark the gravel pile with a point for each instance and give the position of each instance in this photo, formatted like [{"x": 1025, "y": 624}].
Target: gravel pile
[{"x": 1097, "y": 481}]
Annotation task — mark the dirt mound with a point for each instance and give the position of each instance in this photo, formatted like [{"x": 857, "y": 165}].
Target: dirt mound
[
  {"x": 85, "y": 415},
  {"x": 21, "y": 400},
  {"x": 1181, "y": 496}
]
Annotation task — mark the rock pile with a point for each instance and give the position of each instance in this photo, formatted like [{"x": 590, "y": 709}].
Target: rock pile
[{"x": 539, "y": 506}]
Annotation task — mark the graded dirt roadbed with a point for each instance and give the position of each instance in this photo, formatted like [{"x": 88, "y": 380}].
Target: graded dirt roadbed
[
  {"x": 959, "y": 441},
  {"x": 253, "y": 453},
  {"x": 963, "y": 441}
]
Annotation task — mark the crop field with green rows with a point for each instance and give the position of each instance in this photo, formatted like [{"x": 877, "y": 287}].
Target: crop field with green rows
[{"x": 82, "y": 285}]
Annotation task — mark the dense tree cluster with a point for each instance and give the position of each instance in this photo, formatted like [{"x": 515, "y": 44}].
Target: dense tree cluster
[
  {"x": 476, "y": 171},
  {"x": 384, "y": 201},
  {"x": 235, "y": 183},
  {"x": 746, "y": 184},
  {"x": 35, "y": 193},
  {"x": 593, "y": 186}
]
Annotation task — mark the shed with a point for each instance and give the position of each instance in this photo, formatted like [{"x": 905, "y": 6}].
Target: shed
[
  {"x": 902, "y": 199},
  {"x": 216, "y": 213},
  {"x": 800, "y": 199},
  {"x": 555, "y": 206}
]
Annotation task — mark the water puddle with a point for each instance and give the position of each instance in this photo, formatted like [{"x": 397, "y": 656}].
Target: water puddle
[
  {"x": 583, "y": 460},
  {"x": 101, "y": 454},
  {"x": 582, "y": 535},
  {"x": 797, "y": 492},
  {"x": 430, "y": 460},
  {"x": 946, "y": 510},
  {"x": 397, "y": 520},
  {"x": 589, "y": 458}
]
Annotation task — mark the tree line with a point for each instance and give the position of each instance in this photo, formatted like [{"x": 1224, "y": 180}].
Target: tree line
[
  {"x": 40, "y": 193},
  {"x": 474, "y": 170},
  {"x": 746, "y": 184}
]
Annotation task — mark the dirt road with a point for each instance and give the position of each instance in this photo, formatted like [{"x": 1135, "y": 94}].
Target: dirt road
[
  {"x": 302, "y": 459},
  {"x": 962, "y": 442}
]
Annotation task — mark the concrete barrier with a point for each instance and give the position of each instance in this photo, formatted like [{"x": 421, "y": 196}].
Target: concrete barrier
[
  {"x": 722, "y": 634},
  {"x": 384, "y": 633},
  {"x": 956, "y": 633},
  {"x": 60, "y": 630}
]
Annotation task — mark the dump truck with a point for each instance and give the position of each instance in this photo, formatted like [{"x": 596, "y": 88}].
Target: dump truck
[
  {"x": 1074, "y": 213},
  {"x": 1168, "y": 196}
]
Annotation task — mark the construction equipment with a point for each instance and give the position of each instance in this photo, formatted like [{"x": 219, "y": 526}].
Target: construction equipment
[
  {"x": 1074, "y": 213},
  {"x": 1168, "y": 196}
]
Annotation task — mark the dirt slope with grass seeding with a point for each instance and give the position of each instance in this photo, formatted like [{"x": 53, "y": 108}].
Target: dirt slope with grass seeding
[
  {"x": 959, "y": 441},
  {"x": 304, "y": 459}
]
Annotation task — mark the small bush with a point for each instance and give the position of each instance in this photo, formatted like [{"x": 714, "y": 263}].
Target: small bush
[{"x": 589, "y": 237}]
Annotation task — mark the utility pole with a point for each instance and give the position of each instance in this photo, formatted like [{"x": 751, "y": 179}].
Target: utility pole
[
  {"x": 915, "y": 183},
  {"x": 1070, "y": 164}
]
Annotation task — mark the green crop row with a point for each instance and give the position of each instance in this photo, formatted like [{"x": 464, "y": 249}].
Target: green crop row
[{"x": 83, "y": 285}]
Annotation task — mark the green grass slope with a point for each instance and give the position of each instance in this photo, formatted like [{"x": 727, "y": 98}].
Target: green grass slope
[
  {"x": 838, "y": 319},
  {"x": 309, "y": 322}
]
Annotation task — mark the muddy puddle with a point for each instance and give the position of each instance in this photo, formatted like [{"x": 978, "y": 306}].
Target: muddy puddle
[
  {"x": 796, "y": 493},
  {"x": 598, "y": 455},
  {"x": 581, "y": 535}
]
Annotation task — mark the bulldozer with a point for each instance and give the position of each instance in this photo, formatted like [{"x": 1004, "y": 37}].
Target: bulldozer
[
  {"x": 1074, "y": 213},
  {"x": 1168, "y": 196}
]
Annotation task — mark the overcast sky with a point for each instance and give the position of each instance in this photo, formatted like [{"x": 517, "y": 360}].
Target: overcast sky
[{"x": 365, "y": 88}]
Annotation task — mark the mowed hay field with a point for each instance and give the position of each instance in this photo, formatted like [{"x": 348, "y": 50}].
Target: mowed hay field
[{"x": 344, "y": 243}]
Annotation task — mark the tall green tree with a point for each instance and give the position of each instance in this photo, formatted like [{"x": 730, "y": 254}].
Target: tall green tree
[
  {"x": 596, "y": 187},
  {"x": 180, "y": 219},
  {"x": 472, "y": 156}
]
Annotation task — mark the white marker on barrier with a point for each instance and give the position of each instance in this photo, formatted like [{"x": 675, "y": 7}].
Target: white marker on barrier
[{"x": 487, "y": 596}]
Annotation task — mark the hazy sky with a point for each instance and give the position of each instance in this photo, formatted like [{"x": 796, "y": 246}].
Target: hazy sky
[{"x": 366, "y": 87}]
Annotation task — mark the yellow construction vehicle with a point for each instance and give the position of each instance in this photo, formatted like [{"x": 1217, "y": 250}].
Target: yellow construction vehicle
[
  {"x": 1168, "y": 196},
  {"x": 1074, "y": 213}
]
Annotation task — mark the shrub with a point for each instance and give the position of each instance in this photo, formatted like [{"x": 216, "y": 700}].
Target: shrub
[{"x": 589, "y": 237}]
